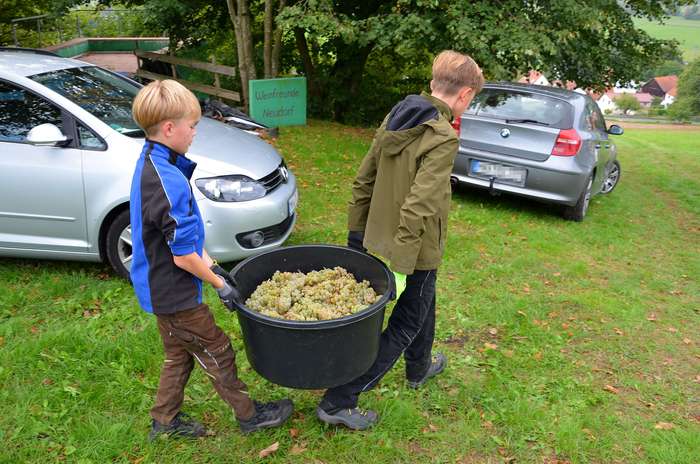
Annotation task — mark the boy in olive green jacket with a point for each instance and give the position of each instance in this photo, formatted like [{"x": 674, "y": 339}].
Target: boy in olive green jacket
[{"x": 399, "y": 208}]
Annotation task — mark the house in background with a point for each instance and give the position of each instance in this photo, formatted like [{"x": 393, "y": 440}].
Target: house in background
[
  {"x": 669, "y": 98},
  {"x": 660, "y": 86},
  {"x": 644, "y": 99},
  {"x": 606, "y": 102},
  {"x": 534, "y": 77}
]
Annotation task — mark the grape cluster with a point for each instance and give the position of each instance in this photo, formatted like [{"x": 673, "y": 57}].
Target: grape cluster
[{"x": 318, "y": 295}]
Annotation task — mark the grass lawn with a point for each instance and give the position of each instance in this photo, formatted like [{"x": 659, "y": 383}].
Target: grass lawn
[
  {"x": 567, "y": 342},
  {"x": 685, "y": 31}
]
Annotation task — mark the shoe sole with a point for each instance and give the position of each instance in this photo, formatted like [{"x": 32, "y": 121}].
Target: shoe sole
[
  {"x": 333, "y": 420},
  {"x": 417, "y": 385},
  {"x": 286, "y": 412}
]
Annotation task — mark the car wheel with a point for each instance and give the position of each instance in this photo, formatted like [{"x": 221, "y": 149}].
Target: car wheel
[
  {"x": 119, "y": 251},
  {"x": 613, "y": 178},
  {"x": 579, "y": 210}
]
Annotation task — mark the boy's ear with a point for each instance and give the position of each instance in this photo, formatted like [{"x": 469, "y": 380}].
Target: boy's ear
[
  {"x": 431, "y": 85},
  {"x": 166, "y": 128}
]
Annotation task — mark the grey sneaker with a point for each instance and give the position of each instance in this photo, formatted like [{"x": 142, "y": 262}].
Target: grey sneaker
[
  {"x": 437, "y": 365},
  {"x": 355, "y": 418},
  {"x": 268, "y": 415},
  {"x": 182, "y": 426}
]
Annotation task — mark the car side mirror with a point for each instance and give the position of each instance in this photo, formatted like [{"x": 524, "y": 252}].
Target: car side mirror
[
  {"x": 47, "y": 135},
  {"x": 615, "y": 130}
]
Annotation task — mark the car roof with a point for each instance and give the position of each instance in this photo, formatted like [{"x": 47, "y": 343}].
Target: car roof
[
  {"x": 28, "y": 63},
  {"x": 556, "y": 92}
]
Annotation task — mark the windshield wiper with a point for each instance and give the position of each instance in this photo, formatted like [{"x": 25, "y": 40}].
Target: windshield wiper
[{"x": 532, "y": 121}]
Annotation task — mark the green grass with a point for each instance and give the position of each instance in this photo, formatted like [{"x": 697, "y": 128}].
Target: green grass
[
  {"x": 685, "y": 31},
  {"x": 537, "y": 316}
]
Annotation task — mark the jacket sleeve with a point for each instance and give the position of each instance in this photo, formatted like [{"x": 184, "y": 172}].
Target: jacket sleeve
[
  {"x": 170, "y": 210},
  {"x": 421, "y": 203},
  {"x": 362, "y": 188}
]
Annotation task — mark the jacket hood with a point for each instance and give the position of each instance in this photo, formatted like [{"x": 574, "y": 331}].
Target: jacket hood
[{"x": 408, "y": 120}]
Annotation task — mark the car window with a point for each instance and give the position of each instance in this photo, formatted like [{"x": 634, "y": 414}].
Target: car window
[
  {"x": 88, "y": 139},
  {"x": 22, "y": 110},
  {"x": 599, "y": 119},
  {"x": 522, "y": 105},
  {"x": 99, "y": 92}
]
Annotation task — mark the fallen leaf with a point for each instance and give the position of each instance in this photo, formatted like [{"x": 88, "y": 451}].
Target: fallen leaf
[
  {"x": 47, "y": 381},
  {"x": 664, "y": 426},
  {"x": 526, "y": 289},
  {"x": 611, "y": 389},
  {"x": 564, "y": 325},
  {"x": 430, "y": 428},
  {"x": 297, "y": 449},
  {"x": 293, "y": 433},
  {"x": 269, "y": 450},
  {"x": 618, "y": 331},
  {"x": 537, "y": 355},
  {"x": 490, "y": 346},
  {"x": 697, "y": 378},
  {"x": 522, "y": 313},
  {"x": 687, "y": 341},
  {"x": 672, "y": 329},
  {"x": 487, "y": 424},
  {"x": 651, "y": 317},
  {"x": 556, "y": 274},
  {"x": 493, "y": 331},
  {"x": 34, "y": 330}
]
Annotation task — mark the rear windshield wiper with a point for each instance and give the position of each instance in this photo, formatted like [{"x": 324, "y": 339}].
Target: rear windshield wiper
[
  {"x": 135, "y": 133},
  {"x": 531, "y": 121}
]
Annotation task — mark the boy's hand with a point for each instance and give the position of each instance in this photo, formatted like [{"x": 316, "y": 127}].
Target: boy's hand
[
  {"x": 221, "y": 272},
  {"x": 228, "y": 294}
]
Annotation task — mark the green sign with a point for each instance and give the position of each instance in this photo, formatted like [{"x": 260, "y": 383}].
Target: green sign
[{"x": 278, "y": 102}]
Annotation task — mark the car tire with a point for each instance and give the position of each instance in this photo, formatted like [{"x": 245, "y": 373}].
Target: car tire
[
  {"x": 118, "y": 246},
  {"x": 612, "y": 179},
  {"x": 579, "y": 210}
]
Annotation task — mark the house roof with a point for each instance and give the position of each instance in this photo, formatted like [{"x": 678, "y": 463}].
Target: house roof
[
  {"x": 643, "y": 97},
  {"x": 673, "y": 91},
  {"x": 666, "y": 82}
]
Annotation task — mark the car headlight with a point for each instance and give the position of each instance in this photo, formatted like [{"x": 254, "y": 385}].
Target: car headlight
[{"x": 231, "y": 188}]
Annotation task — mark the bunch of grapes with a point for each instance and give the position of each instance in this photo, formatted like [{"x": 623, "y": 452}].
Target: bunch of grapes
[{"x": 318, "y": 295}]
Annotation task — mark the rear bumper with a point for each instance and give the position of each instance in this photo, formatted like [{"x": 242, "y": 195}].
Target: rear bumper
[{"x": 556, "y": 180}]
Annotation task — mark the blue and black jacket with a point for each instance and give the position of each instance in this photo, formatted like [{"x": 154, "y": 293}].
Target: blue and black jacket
[{"x": 165, "y": 222}]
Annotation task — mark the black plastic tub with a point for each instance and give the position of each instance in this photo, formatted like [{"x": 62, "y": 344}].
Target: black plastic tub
[{"x": 313, "y": 354}]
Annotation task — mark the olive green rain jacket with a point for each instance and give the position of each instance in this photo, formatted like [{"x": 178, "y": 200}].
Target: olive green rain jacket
[{"x": 401, "y": 195}]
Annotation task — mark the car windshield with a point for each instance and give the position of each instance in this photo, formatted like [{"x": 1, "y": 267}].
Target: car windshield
[
  {"x": 522, "y": 107},
  {"x": 99, "y": 92}
]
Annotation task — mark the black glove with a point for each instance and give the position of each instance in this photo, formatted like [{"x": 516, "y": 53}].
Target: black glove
[
  {"x": 355, "y": 239},
  {"x": 228, "y": 294},
  {"x": 220, "y": 271}
]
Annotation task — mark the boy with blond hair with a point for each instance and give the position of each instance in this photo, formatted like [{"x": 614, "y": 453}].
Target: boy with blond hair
[
  {"x": 170, "y": 263},
  {"x": 399, "y": 207}
]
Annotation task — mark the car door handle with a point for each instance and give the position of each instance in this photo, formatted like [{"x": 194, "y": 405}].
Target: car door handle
[
  {"x": 607, "y": 146},
  {"x": 597, "y": 145}
]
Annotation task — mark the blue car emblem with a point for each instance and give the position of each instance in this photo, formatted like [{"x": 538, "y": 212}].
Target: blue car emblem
[{"x": 505, "y": 133}]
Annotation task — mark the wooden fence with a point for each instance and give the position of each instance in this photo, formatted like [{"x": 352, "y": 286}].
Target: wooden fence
[{"x": 216, "y": 69}]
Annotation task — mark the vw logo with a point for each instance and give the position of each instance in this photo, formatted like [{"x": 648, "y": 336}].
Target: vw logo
[
  {"x": 285, "y": 174},
  {"x": 505, "y": 133}
]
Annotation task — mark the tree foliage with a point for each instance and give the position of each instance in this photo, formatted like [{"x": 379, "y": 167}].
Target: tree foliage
[
  {"x": 626, "y": 103},
  {"x": 687, "y": 102},
  {"x": 593, "y": 43}
]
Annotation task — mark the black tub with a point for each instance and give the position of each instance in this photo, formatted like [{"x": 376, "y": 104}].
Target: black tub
[{"x": 317, "y": 354}]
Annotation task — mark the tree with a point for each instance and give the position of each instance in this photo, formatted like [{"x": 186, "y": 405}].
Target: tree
[
  {"x": 594, "y": 44},
  {"x": 687, "y": 102},
  {"x": 626, "y": 103}
]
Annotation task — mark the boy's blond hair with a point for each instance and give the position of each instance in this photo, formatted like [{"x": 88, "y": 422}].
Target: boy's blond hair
[
  {"x": 453, "y": 70},
  {"x": 163, "y": 100}
]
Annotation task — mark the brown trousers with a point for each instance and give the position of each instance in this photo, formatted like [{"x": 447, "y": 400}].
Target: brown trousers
[{"x": 193, "y": 335}]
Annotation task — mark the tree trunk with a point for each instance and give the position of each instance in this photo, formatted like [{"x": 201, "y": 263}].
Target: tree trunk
[
  {"x": 267, "y": 44},
  {"x": 240, "y": 18},
  {"x": 309, "y": 69},
  {"x": 347, "y": 72},
  {"x": 277, "y": 46}
]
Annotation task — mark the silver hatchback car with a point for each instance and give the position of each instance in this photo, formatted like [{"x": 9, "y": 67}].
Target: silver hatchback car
[
  {"x": 544, "y": 143},
  {"x": 68, "y": 147}
]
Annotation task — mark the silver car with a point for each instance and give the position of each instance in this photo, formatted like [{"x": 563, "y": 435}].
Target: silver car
[
  {"x": 68, "y": 147},
  {"x": 544, "y": 143}
]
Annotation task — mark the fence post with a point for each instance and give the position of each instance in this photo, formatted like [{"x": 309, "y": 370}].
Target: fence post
[
  {"x": 38, "y": 28},
  {"x": 217, "y": 82},
  {"x": 14, "y": 34},
  {"x": 77, "y": 24}
]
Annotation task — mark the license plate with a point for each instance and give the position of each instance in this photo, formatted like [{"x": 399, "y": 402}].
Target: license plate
[
  {"x": 500, "y": 172},
  {"x": 292, "y": 203}
]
